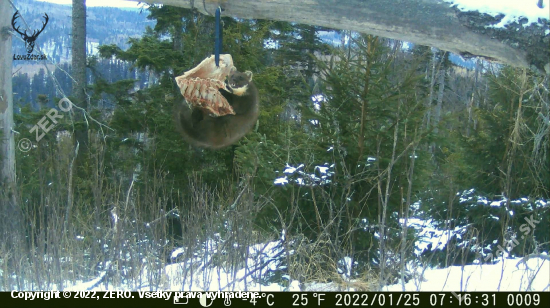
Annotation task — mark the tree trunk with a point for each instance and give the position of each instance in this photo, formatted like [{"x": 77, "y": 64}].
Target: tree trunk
[
  {"x": 7, "y": 143},
  {"x": 79, "y": 59},
  {"x": 78, "y": 49},
  {"x": 437, "y": 113},
  {"x": 10, "y": 216},
  {"x": 178, "y": 35},
  {"x": 430, "y": 97}
]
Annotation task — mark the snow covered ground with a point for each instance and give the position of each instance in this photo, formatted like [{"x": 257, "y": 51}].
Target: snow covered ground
[
  {"x": 506, "y": 274},
  {"x": 200, "y": 272},
  {"x": 513, "y": 10}
]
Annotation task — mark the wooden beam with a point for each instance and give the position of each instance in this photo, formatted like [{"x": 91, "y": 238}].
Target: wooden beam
[{"x": 425, "y": 22}]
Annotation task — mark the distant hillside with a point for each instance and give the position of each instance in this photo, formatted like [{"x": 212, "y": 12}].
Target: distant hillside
[{"x": 105, "y": 25}]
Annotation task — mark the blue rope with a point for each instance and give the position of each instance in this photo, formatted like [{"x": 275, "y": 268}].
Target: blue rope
[{"x": 218, "y": 42}]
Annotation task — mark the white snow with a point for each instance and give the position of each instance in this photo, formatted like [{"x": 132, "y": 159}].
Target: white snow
[
  {"x": 303, "y": 178},
  {"x": 198, "y": 270},
  {"x": 290, "y": 170},
  {"x": 322, "y": 169},
  {"x": 281, "y": 181},
  {"x": 318, "y": 100},
  {"x": 506, "y": 275},
  {"x": 513, "y": 10}
]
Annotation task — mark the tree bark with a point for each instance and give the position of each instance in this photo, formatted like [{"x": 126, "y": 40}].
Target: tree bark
[
  {"x": 425, "y": 22},
  {"x": 10, "y": 218},
  {"x": 430, "y": 96},
  {"x": 78, "y": 48},
  {"x": 7, "y": 143},
  {"x": 437, "y": 114}
]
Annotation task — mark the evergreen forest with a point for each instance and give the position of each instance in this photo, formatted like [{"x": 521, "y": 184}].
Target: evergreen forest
[{"x": 360, "y": 140}]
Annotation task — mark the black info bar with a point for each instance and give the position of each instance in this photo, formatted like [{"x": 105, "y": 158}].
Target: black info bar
[{"x": 261, "y": 299}]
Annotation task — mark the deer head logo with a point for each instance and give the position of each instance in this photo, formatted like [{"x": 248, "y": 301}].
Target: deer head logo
[{"x": 29, "y": 39}]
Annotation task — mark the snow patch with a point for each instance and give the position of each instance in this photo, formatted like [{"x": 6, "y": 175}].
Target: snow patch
[{"x": 513, "y": 10}]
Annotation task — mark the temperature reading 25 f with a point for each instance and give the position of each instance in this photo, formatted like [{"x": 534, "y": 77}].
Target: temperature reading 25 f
[{"x": 302, "y": 300}]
